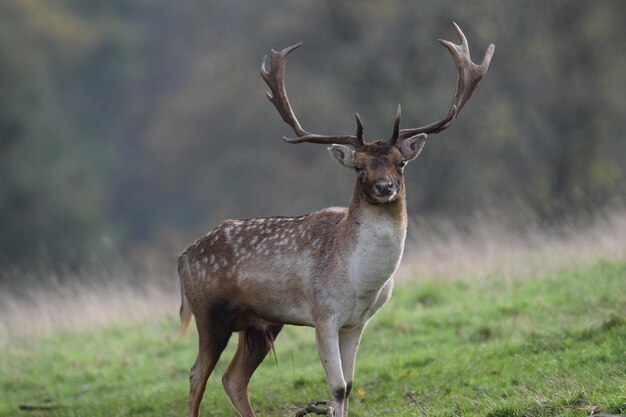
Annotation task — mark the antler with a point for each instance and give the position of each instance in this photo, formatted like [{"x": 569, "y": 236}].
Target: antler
[
  {"x": 468, "y": 77},
  {"x": 275, "y": 80}
]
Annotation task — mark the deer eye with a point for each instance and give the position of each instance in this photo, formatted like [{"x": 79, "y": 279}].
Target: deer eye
[
  {"x": 359, "y": 168},
  {"x": 402, "y": 164}
]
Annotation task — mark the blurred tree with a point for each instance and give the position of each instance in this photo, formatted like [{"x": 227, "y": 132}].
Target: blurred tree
[
  {"x": 63, "y": 82},
  {"x": 139, "y": 121}
]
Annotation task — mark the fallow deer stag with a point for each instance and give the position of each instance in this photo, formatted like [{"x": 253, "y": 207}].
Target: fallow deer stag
[{"x": 331, "y": 269}]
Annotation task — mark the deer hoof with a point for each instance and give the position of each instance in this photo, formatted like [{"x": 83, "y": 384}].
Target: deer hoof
[{"x": 313, "y": 408}]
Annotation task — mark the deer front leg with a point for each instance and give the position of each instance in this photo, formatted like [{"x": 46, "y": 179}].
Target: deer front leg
[
  {"x": 327, "y": 341},
  {"x": 349, "y": 339}
]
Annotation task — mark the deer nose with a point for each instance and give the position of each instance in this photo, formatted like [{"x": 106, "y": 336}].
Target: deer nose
[{"x": 384, "y": 188}]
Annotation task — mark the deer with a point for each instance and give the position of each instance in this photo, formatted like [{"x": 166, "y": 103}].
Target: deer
[{"x": 331, "y": 269}]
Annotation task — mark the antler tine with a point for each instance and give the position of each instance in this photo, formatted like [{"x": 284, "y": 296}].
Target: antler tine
[
  {"x": 396, "y": 127},
  {"x": 275, "y": 80},
  {"x": 468, "y": 77},
  {"x": 359, "y": 129}
]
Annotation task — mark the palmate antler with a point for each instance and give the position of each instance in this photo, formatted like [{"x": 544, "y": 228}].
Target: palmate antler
[
  {"x": 275, "y": 79},
  {"x": 468, "y": 77}
]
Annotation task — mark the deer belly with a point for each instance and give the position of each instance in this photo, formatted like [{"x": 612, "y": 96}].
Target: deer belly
[
  {"x": 277, "y": 292},
  {"x": 280, "y": 307}
]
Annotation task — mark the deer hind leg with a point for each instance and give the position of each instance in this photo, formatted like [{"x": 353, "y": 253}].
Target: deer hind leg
[
  {"x": 253, "y": 346},
  {"x": 212, "y": 340}
]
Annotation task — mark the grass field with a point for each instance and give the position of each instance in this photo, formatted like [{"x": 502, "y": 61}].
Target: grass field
[{"x": 550, "y": 345}]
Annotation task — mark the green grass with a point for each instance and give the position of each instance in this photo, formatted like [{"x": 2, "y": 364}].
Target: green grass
[{"x": 546, "y": 346}]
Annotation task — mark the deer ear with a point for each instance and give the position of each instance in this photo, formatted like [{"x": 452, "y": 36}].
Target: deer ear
[
  {"x": 412, "y": 147},
  {"x": 344, "y": 155}
]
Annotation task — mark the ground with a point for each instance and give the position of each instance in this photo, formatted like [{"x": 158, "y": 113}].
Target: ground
[{"x": 538, "y": 346}]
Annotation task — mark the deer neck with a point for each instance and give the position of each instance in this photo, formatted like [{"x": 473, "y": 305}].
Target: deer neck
[{"x": 377, "y": 233}]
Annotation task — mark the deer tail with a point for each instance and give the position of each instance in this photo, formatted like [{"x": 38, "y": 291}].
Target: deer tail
[{"x": 185, "y": 310}]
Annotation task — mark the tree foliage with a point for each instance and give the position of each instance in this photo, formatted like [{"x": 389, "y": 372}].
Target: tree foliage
[{"x": 132, "y": 121}]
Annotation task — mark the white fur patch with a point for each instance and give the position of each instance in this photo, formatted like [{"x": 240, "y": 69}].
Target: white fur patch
[
  {"x": 335, "y": 210},
  {"x": 376, "y": 256}
]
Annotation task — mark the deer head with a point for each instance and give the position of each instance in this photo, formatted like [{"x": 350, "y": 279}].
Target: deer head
[{"x": 379, "y": 165}]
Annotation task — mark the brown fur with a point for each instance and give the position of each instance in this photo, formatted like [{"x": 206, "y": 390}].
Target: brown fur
[{"x": 213, "y": 291}]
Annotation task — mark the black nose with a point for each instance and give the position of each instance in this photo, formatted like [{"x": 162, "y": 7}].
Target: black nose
[{"x": 384, "y": 188}]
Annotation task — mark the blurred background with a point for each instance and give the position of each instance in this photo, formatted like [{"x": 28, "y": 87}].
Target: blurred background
[{"x": 132, "y": 127}]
